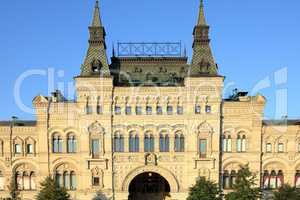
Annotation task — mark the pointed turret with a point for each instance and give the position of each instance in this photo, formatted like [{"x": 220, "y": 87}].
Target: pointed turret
[
  {"x": 203, "y": 62},
  {"x": 96, "y": 62}
]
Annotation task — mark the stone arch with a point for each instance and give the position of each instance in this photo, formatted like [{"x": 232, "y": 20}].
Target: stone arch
[
  {"x": 174, "y": 185},
  {"x": 275, "y": 163},
  {"x": 233, "y": 162}
]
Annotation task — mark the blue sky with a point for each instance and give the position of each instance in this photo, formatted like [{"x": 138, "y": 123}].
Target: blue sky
[{"x": 253, "y": 41}]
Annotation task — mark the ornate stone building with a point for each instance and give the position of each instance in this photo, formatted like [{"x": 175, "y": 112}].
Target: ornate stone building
[{"x": 146, "y": 127}]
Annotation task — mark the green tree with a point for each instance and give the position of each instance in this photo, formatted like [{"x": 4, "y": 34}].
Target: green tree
[
  {"x": 204, "y": 190},
  {"x": 245, "y": 187},
  {"x": 50, "y": 191},
  {"x": 287, "y": 192},
  {"x": 13, "y": 189}
]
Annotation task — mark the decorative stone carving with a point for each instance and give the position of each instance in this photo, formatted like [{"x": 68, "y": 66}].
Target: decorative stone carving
[
  {"x": 150, "y": 159},
  {"x": 96, "y": 128}
]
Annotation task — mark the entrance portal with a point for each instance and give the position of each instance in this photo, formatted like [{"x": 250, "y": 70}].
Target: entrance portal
[{"x": 149, "y": 186}]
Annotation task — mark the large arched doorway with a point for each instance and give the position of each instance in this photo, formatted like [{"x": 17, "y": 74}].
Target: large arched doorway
[{"x": 149, "y": 186}]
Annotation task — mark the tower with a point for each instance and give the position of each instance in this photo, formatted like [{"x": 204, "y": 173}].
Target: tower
[
  {"x": 96, "y": 62},
  {"x": 203, "y": 62}
]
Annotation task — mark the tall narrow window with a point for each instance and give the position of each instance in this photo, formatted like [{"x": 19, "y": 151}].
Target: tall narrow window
[
  {"x": 99, "y": 109},
  {"x": 73, "y": 181},
  {"x": 29, "y": 149},
  {"x": 297, "y": 179},
  {"x": 269, "y": 148},
  {"x": 266, "y": 180},
  {"x": 202, "y": 148},
  {"x": 58, "y": 179},
  {"x": 164, "y": 143},
  {"x": 95, "y": 148},
  {"x": 226, "y": 180},
  {"x": 18, "y": 149},
  {"x": 88, "y": 107},
  {"x": 229, "y": 144},
  {"x": 170, "y": 110},
  {"x": 244, "y": 143},
  {"x": 148, "y": 110},
  {"x": 280, "y": 148},
  {"x": 197, "y": 109},
  {"x": 239, "y": 144},
  {"x": 2, "y": 179},
  {"x": 179, "y": 110},
  {"x": 119, "y": 143},
  {"x": 133, "y": 143},
  {"x": 71, "y": 144},
  {"x": 224, "y": 143},
  {"x": 138, "y": 110},
  {"x": 66, "y": 180},
  {"x": 128, "y": 110},
  {"x": 117, "y": 110},
  {"x": 147, "y": 143},
  {"x": 179, "y": 143},
  {"x": 159, "y": 110},
  {"x": 208, "y": 109}
]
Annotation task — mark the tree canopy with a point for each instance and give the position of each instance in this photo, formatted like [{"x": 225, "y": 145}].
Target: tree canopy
[
  {"x": 204, "y": 190},
  {"x": 50, "y": 191}
]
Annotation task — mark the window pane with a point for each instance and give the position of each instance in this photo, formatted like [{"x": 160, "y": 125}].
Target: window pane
[
  {"x": 95, "y": 147},
  {"x": 159, "y": 110},
  {"x": 128, "y": 110},
  {"x": 152, "y": 144},
  {"x": 138, "y": 110},
  {"x": 73, "y": 181},
  {"x": 179, "y": 110},
  {"x": 280, "y": 147},
  {"x": 149, "y": 110},
  {"x": 197, "y": 109},
  {"x": 117, "y": 110},
  {"x": 99, "y": 110},
  {"x": 18, "y": 148},
  {"x": 269, "y": 148},
  {"x": 169, "y": 110},
  {"x": 202, "y": 148},
  {"x": 146, "y": 144},
  {"x": 137, "y": 144},
  {"x": 208, "y": 109}
]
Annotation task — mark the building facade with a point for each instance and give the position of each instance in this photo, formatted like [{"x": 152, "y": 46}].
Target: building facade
[{"x": 147, "y": 127}]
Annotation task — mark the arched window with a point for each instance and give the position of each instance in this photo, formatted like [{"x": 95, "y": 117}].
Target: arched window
[
  {"x": 224, "y": 143},
  {"x": 29, "y": 149},
  {"x": 118, "y": 143},
  {"x": 233, "y": 177},
  {"x": 164, "y": 143},
  {"x": 244, "y": 143},
  {"x": 2, "y": 181},
  {"x": 202, "y": 148},
  {"x": 269, "y": 148},
  {"x": 149, "y": 143},
  {"x": 280, "y": 148},
  {"x": 72, "y": 143},
  {"x": 179, "y": 109},
  {"x": 226, "y": 180},
  {"x": 149, "y": 110},
  {"x": 229, "y": 144},
  {"x": 88, "y": 107},
  {"x": 18, "y": 148},
  {"x": 57, "y": 144},
  {"x": 73, "y": 184},
  {"x": 26, "y": 181},
  {"x": 197, "y": 108},
  {"x": 297, "y": 179},
  {"x": 32, "y": 181},
  {"x": 179, "y": 143},
  {"x": 169, "y": 109},
  {"x": 273, "y": 180},
  {"x": 99, "y": 107},
  {"x": 19, "y": 181},
  {"x": 239, "y": 144},
  {"x": 66, "y": 180},
  {"x": 58, "y": 179},
  {"x": 134, "y": 143}
]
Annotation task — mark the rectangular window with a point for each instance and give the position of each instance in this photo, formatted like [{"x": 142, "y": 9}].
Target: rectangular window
[
  {"x": 99, "y": 110},
  {"x": 148, "y": 110},
  {"x": 169, "y": 110},
  {"x": 280, "y": 148},
  {"x": 197, "y": 109},
  {"x": 18, "y": 149},
  {"x": 89, "y": 110},
  {"x": 208, "y": 109},
  {"x": 117, "y": 110},
  {"x": 96, "y": 181},
  {"x": 179, "y": 110},
  {"x": 202, "y": 148},
  {"x": 138, "y": 110},
  {"x": 29, "y": 148},
  {"x": 269, "y": 148},
  {"x": 95, "y": 148},
  {"x": 159, "y": 110},
  {"x": 128, "y": 110}
]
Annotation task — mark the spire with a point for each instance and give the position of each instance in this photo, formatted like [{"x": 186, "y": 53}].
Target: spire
[
  {"x": 203, "y": 62},
  {"x": 96, "y": 62},
  {"x": 201, "y": 17},
  {"x": 96, "y": 17}
]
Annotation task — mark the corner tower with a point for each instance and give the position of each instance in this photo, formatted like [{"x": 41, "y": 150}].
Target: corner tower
[
  {"x": 203, "y": 62},
  {"x": 96, "y": 62}
]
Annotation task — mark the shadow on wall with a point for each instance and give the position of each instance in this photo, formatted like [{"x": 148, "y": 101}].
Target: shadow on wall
[{"x": 101, "y": 196}]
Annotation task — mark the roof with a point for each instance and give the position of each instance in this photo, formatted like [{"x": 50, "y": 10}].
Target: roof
[
  {"x": 281, "y": 122},
  {"x": 18, "y": 123}
]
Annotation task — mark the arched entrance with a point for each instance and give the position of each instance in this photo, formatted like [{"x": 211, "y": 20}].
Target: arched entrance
[{"x": 149, "y": 186}]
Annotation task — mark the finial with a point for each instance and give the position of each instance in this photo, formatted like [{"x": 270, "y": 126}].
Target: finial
[
  {"x": 201, "y": 17},
  {"x": 96, "y": 18}
]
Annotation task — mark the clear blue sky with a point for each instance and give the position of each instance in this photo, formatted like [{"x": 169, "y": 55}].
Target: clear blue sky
[{"x": 251, "y": 40}]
